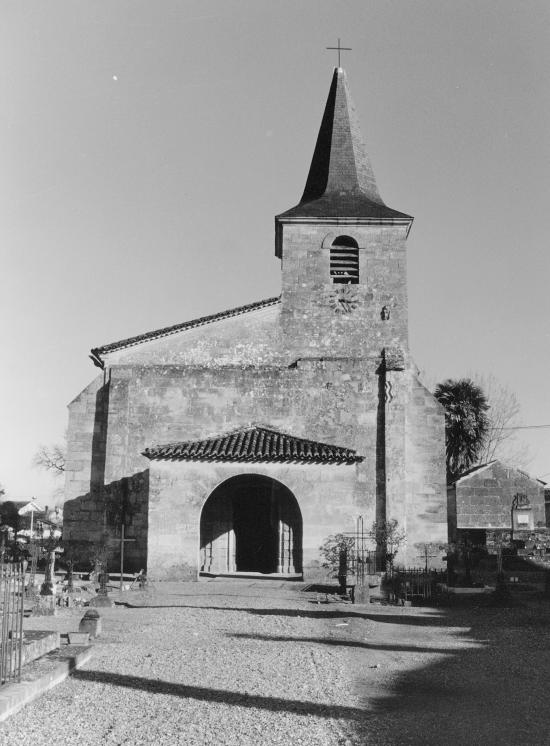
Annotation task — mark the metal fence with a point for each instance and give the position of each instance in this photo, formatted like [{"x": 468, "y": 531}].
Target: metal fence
[
  {"x": 413, "y": 584},
  {"x": 362, "y": 561},
  {"x": 12, "y": 597}
]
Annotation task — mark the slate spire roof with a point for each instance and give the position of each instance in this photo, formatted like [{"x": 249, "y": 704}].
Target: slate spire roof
[
  {"x": 254, "y": 443},
  {"x": 341, "y": 181}
]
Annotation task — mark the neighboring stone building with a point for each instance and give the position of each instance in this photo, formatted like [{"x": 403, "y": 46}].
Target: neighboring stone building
[
  {"x": 496, "y": 499},
  {"x": 238, "y": 442}
]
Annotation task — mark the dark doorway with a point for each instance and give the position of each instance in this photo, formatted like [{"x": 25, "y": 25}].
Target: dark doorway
[
  {"x": 251, "y": 523},
  {"x": 474, "y": 537},
  {"x": 255, "y": 522}
]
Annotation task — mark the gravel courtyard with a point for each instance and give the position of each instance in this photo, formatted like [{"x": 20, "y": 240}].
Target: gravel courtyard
[{"x": 261, "y": 662}]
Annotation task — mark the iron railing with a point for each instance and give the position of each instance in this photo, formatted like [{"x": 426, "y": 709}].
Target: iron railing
[
  {"x": 414, "y": 584},
  {"x": 12, "y": 598},
  {"x": 362, "y": 561}
]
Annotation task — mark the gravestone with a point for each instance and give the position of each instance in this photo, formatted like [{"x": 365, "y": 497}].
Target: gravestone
[
  {"x": 47, "y": 589},
  {"x": 70, "y": 576},
  {"x": 90, "y": 623},
  {"x": 102, "y": 599},
  {"x": 44, "y": 606}
]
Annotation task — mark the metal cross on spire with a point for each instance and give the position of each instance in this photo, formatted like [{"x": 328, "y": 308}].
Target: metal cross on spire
[{"x": 340, "y": 49}]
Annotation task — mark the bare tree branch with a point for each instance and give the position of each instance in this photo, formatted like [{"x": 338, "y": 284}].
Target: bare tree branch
[
  {"x": 501, "y": 441},
  {"x": 50, "y": 458}
]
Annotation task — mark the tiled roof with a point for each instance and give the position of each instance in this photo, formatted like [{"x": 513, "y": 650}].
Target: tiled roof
[
  {"x": 166, "y": 331},
  {"x": 341, "y": 181},
  {"x": 254, "y": 443},
  {"x": 480, "y": 467},
  {"x": 472, "y": 470}
]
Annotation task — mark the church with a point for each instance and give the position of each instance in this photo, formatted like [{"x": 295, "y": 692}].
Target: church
[{"x": 236, "y": 443}]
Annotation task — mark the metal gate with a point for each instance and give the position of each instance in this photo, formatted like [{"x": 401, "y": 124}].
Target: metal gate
[
  {"x": 363, "y": 562},
  {"x": 12, "y": 597}
]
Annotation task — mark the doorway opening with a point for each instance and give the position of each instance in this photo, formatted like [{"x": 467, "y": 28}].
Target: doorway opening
[{"x": 251, "y": 524}]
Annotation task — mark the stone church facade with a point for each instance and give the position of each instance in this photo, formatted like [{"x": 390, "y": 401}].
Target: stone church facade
[{"x": 237, "y": 442}]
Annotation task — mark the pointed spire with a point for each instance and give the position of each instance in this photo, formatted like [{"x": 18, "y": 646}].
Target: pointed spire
[
  {"x": 341, "y": 181},
  {"x": 340, "y": 161}
]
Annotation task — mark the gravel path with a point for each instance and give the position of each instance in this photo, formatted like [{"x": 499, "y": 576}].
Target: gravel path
[
  {"x": 259, "y": 662},
  {"x": 205, "y": 665}
]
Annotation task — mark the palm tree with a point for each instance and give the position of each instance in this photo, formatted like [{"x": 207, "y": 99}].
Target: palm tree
[{"x": 466, "y": 423}]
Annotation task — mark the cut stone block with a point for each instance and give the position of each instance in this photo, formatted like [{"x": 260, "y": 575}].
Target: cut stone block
[{"x": 79, "y": 638}]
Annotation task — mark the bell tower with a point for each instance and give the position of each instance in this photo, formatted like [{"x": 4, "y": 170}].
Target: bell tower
[{"x": 344, "y": 280}]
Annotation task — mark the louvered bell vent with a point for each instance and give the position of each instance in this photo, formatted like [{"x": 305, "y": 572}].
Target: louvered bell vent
[{"x": 344, "y": 261}]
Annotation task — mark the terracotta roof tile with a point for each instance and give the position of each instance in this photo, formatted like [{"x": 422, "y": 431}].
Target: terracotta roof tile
[{"x": 254, "y": 443}]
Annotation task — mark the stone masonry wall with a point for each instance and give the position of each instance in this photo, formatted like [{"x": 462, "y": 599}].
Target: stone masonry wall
[
  {"x": 484, "y": 498},
  {"x": 252, "y": 338},
  {"x": 327, "y": 497},
  {"x": 426, "y": 519},
  {"x": 333, "y": 401},
  {"x": 91, "y": 524},
  {"x": 395, "y": 489},
  {"x": 310, "y": 324},
  {"x": 87, "y": 417}
]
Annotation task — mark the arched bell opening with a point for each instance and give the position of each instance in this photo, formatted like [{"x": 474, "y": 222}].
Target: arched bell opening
[
  {"x": 251, "y": 524},
  {"x": 344, "y": 261}
]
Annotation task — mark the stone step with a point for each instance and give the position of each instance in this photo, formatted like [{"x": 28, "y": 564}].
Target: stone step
[
  {"x": 35, "y": 645},
  {"x": 41, "y": 675}
]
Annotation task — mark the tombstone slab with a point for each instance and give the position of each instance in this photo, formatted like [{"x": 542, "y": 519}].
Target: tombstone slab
[
  {"x": 90, "y": 623},
  {"x": 44, "y": 606},
  {"x": 78, "y": 638}
]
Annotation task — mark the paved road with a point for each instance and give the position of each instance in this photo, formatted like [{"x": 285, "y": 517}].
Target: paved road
[{"x": 259, "y": 662}]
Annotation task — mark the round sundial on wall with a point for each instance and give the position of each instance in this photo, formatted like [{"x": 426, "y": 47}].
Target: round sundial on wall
[{"x": 343, "y": 299}]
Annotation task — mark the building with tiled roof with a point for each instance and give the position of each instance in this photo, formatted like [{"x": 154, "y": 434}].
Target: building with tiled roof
[
  {"x": 238, "y": 442},
  {"x": 497, "y": 500}
]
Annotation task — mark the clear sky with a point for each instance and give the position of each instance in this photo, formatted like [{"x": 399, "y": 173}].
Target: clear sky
[{"x": 147, "y": 147}]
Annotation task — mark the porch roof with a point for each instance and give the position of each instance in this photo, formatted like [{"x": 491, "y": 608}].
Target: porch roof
[{"x": 255, "y": 443}]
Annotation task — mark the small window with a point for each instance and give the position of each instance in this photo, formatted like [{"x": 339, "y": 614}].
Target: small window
[{"x": 344, "y": 261}]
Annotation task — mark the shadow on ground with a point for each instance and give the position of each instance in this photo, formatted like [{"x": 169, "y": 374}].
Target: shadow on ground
[
  {"x": 206, "y": 694},
  {"x": 428, "y": 619},
  {"x": 338, "y": 642},
  {"x": 475, "y": 674},
  {"x": 493, "y": 691}
]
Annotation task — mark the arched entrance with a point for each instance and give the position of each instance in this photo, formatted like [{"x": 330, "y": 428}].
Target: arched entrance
[{"x": 251, "y": 523}]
